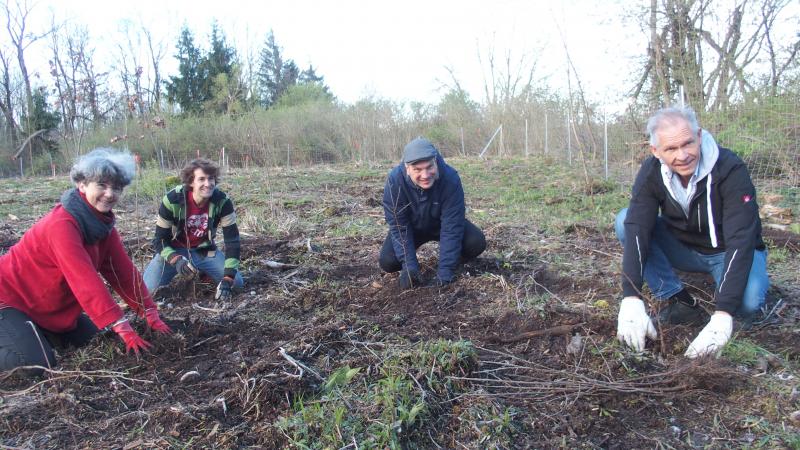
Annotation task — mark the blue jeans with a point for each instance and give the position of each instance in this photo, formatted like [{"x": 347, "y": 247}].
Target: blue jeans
[
  {"x": 668, "y": 253},
  {"x": 159, "y": 273}
]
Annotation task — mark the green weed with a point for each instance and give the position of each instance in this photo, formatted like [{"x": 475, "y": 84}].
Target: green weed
[
  {"x": 744, "y": 351},
  {"x": 383, "y": 410}
]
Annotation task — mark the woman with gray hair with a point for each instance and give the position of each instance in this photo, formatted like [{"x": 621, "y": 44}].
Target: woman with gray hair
[{"x": 51, "y": 290}]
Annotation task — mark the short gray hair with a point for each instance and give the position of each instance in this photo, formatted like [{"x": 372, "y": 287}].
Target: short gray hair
[
  {"x": 671, "y": 115},
  {"x": 104, "y": 165}
]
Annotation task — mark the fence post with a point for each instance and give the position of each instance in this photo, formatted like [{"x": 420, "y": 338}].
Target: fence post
[
  {"x": 605, "y": 142},
  {"x": 463, "y": 153},
  {"x": 569, "y": 138},
  {"x": 502, "y": 146},
  {"x": 546, "y": 131},
  {"x": 526, "y": 137}
]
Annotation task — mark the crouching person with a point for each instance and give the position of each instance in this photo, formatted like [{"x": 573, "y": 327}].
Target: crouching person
[
  {"x": 423, "y": 201},
  {"x": 693, "y": 208},
  {"x": 188, "y": 219},
  {"x": 51, "y": 290}
]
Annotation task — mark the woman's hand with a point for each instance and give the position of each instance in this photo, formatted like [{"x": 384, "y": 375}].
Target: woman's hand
[
  {"x": 155, "y": 322},
  {"x": 131, "y": 339}
]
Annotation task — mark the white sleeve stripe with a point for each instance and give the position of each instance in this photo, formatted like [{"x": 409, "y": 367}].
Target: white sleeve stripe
[
  {"x": 712, "y": 232},
  {"x": 639, "y": 250},
  {"x": 725, "y": 277}
]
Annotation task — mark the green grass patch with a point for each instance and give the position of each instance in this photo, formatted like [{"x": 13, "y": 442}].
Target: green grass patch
[
  {"x": 744, "y": 351},
  {"x": 386, "y": 409}
]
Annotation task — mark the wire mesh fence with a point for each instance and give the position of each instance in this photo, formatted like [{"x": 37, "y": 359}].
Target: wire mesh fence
[{"x": 764, "y": 133}]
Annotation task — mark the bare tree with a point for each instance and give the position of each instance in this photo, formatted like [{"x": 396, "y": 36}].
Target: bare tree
[
  {"x": 64, "y": 72},
  {"x": 770, "y": 10},
  {"x": 507, "y": 80},
  {"x": 6, "y": 104},
  {"x": 711, "y": 59},
  {"x": 139, "y": 58},
  {"x": 158, "y": 50},
  {"x": 17, "y": 13}
]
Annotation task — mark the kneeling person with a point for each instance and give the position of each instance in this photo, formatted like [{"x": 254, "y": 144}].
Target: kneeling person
[
  {"x": 423, "y": 201},
  {"x": 187, "y": 224},
  {"x": 693, "y": 208},
  {"x": 52, "y": 290}
]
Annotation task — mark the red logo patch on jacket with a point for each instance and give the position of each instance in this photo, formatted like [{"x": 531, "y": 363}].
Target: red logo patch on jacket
[{"x": 746, "y": 198}]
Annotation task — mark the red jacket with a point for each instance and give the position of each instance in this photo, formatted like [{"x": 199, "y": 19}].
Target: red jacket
[{"x": 52, "y": 275}]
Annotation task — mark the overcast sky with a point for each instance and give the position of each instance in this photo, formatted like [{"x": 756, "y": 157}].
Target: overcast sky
[{"x": 398, "y": 49}]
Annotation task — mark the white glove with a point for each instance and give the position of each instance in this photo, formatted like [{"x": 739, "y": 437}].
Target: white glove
[
  {"x": 713, "y": 336},
  {"x": 633, "y": 323}
]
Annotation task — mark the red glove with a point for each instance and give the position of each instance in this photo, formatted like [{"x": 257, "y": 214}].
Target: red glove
[
  {"x": 155, "y": 322},
  {"x": 132, "y": 340}
]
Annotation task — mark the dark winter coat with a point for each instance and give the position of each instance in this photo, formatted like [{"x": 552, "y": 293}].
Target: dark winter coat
[{"x": 438, "y": 211}]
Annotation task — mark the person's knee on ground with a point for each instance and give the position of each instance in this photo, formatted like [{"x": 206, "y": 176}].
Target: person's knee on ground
[
  {"x": 755, "y": 293},
  {"x": 474, "y": 243},
  {"x": 22, "y": 343},
  {"x": 619, "y": 225},
  {"x": 84, "y": 331},
  {"x": 389, "y": 265},
  {"x": 157, "y": 273},
  {"x": 387, "y": 260}
]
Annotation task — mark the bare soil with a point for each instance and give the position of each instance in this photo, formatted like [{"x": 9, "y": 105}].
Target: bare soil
[{"x": 337, "y": 297}]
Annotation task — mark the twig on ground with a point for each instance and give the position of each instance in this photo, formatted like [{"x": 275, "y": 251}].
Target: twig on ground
[
  {"x": 57, "y": 375},
  {"x": 278, "y": 265},
  {"x": 518, "y": 378},
  {"x": 298, "y": 365}
]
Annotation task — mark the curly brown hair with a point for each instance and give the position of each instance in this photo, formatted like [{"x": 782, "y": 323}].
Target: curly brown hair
[{"x": 209, "y": 167}]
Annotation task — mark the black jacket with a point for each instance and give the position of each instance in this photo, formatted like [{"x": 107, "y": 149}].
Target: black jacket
[{"x": 730, "y": 225}]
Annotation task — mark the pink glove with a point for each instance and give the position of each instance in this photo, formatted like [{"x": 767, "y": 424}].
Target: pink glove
[
  {"x": 155, "y": 322},
  {"x": 131, "y": 339}
]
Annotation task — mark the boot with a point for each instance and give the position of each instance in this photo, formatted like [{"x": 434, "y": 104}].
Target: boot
[{"x": 682, "y": 309}]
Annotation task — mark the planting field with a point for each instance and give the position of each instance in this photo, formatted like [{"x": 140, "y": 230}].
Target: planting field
[{"x": 326, "y": 352}]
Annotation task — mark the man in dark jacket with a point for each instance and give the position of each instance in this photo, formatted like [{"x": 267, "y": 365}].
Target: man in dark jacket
[
  {"x": 423, "y": 201},
  {"x": 693, "y": 208}
]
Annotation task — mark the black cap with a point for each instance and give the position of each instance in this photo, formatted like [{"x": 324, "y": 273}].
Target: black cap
[{"x": 420, "y": 149}]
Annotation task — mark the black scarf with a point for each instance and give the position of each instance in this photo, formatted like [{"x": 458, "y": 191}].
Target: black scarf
[{"x": 92, "y": 227}]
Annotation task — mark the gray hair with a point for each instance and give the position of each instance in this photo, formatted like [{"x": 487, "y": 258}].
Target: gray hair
[
  {"x": 104, "y": 165},
  {"x": 672, "y": 116}
]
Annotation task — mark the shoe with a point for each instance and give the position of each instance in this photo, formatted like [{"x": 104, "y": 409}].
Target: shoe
[{"x": 682, "y": 309}]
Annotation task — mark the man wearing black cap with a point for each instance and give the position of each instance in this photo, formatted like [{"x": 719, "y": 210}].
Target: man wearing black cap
[{"x": 423, "y": 201}]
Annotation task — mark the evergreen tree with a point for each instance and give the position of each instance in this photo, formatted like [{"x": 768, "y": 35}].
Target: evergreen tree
[
  {"x": 274, "y": 74},
  {"x": 221, "y": 58},
  {"x": 222, "y": 84},
  {"x": 187, "y": 88},
  {"x": 40, "y": 117},
  {"x": 310, "y": 76}
]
